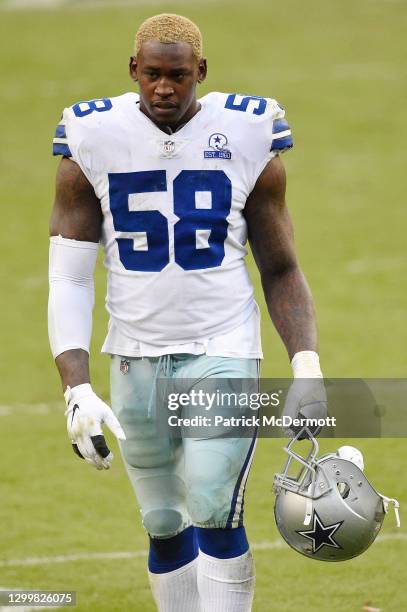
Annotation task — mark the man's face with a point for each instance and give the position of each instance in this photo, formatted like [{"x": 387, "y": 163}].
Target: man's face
[{"x": 167, "y": 74}]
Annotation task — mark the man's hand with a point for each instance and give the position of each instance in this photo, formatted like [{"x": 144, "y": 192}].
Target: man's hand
[
  {"x": 86, "y": 413},
  {"x": 306, "y": 398}
]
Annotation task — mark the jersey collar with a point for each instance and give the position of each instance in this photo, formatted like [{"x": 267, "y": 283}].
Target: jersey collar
[{"x": 182, "y": 128}]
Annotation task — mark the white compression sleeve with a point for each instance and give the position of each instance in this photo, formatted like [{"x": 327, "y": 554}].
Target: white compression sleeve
[{"x": 71, "y": 293}]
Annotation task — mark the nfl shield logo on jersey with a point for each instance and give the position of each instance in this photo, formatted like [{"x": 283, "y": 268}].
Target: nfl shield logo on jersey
[
  {"x": 168, "y": 147},
  {"x": 218, "y": 144},
  {"x": 124, "y": 366}
]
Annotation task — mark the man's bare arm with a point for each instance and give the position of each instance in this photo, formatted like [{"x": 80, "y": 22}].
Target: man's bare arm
[
  {"x": 76, "y": 215},
  {"x": 286, "y": 291}
]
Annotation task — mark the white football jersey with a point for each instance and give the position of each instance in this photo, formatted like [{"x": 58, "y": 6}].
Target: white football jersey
[{"x": 173, "y": 230}]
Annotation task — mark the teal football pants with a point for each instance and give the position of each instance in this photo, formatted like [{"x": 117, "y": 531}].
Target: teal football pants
[{"x": 180, "y": 481}]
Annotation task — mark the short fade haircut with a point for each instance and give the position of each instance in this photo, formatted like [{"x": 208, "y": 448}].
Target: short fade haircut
[{"x": 170, "y": 28}]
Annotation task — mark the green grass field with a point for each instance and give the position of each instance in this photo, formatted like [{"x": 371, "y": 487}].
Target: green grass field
[{"x": 338, "y": 67}]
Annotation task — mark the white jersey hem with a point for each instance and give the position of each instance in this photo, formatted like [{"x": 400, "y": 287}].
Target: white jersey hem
[{"x": 243, "y": 341}]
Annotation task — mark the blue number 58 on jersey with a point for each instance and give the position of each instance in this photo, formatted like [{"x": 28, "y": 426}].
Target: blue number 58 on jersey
[{"x": 211, "y": 221}]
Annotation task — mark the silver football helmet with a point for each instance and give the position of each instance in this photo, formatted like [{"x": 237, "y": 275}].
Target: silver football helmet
[{"x": 327, "y": 510}]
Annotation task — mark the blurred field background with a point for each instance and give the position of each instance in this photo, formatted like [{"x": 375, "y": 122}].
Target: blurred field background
[{"x": 339, "y": 69}]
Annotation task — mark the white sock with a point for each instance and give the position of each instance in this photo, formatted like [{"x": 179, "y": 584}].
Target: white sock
[
  {"x": 226, "y": 585},
  {"x": 176, "y": 591}
]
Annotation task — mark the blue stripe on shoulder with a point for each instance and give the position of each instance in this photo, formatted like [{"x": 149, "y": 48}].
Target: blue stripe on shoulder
[
  {"x": 61, "y": 149},
  {"x": 60, "y": 131},
  {"x": 282, "y": 143},
  {"x": 280, "y": 125}
]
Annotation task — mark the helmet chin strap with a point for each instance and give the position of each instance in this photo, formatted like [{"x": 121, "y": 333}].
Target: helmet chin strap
[
  {"x": 309, "y": 502},
  {"x": 386, "y": 502}
]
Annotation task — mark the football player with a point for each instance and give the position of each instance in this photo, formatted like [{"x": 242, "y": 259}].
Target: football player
[{"x": 172, "y": 187}]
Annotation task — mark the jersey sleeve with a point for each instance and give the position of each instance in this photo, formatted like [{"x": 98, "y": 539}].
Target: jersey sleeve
[
  {"x": 282, "y": 139},
  {"x": 72, "y": 140},
  {"x": 60, "y": 144},
  {"x": 281, "y": 136},
  {"x": 273, "y": 136},
  {"x": 256, "y": 127}
]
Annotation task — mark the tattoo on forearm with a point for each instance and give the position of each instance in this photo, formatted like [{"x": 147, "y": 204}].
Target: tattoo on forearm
[{"x": 291, "y": 308}]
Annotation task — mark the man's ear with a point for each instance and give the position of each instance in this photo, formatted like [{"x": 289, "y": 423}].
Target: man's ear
[
  {"x": 133, "y": 68},
  {"x": 202, "y": 70}
]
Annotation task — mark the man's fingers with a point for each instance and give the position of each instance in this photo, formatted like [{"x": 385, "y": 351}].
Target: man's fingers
[
  {"x": 94, "y": 450},
  {"x": 86, "y": 413},
  {"x": 314, "y": 410},
  {"x": 94, "y": 464},
  {"x": 76, "y": 450},
  {"x": 100, "y": 445},
  {"x": 315, "y": 430},
  {"x": 114, "y": 425},
  {"x": 89, "y": 453}
]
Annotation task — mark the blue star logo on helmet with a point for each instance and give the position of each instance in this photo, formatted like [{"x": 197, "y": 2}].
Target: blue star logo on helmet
[
  {"x": 218, "y": 145},
  {"x": 321, "y": 535}
]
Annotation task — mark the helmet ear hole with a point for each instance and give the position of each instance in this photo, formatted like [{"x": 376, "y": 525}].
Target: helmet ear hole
[{"x": 343, "y": 489}]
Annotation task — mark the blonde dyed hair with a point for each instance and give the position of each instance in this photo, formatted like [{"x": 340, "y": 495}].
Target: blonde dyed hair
[{"x": 170, "y": 28}]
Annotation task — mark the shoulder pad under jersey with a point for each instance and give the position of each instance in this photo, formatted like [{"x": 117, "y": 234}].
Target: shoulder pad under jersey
[
  {"x": 264, "y": 115},
  {"x": 77, "y": 119}
]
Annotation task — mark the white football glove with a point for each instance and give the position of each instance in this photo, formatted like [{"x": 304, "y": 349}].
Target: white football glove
[
  {"x": 306, "y": 397},
  {"x": 86, "y": 413}
]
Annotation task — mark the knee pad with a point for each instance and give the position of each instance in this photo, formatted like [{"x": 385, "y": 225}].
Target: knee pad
[{"x": 163, "y": 522}]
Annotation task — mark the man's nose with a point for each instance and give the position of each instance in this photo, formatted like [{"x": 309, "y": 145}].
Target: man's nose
[{"x": 164, "y": 88}]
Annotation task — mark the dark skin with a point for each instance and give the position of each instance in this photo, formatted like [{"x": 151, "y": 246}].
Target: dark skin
[
  {"x": 168, "y": 75},
  {"x": 286, "y": 291},
  {"x": 77, "y": 215}
]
